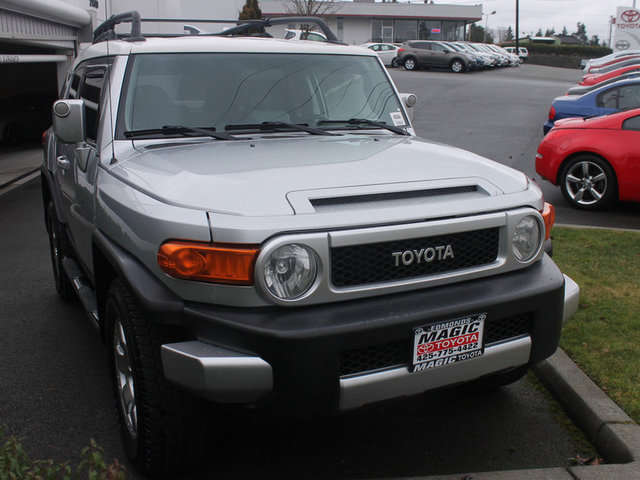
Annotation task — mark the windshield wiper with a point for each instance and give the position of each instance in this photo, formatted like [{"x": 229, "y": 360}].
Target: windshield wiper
[
  {"x": 278, "y": 126},
  {"x": 366, "y": 122},
  {"x": 181, "y": 130}
]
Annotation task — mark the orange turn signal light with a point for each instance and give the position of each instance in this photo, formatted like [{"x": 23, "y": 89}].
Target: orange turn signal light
[
  {"x": 549, "y": 216},
  {"x": 206, "y": 262}
]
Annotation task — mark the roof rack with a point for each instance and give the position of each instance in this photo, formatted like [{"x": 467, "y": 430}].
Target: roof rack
[{"x": 106, "y": 30}]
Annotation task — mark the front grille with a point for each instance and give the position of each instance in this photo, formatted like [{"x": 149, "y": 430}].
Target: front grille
[
  {"x": 375, "y": 262},
  {"x": 509, "y": 327},
  {"x": 398, "y": 353},
  {"x": 375, "y": 357}
]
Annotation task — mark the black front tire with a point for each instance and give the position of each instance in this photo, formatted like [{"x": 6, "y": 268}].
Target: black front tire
[
  {"x": 59, "y": 247},
  {"x": 410, "y": 64},
  {"x": 164, "y": 438},
  {"x": 457, "y": 66}
]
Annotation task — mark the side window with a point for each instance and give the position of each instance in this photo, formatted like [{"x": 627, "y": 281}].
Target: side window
[
  {"x": 609, "y": 99},
  {"x": 386, "y": 47},
  {"x": 75, "y": 83},
  {"x": 90, "y": 91},
  {"x": 375, "y": 48},
  {"x": 289, "y": 35},
  {"x": 632, "y": 123},
  {"x": 629, "y": 97},
  {"x": 315, "y": 37}
]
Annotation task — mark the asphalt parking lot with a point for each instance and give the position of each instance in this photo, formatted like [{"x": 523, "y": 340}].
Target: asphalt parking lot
[
  {"x": 57, "y": 391},
  {"x": 499, "y": 114}
]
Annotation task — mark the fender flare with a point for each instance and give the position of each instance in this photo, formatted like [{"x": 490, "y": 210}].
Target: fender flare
[
  {"x": 47, "y": 177},
  {"x": 164, "y": 306}
]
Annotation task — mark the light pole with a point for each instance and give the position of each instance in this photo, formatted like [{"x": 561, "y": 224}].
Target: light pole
[
  {"x": 518, "y": 27},
  {"x": 486, "y": 24},
  {"x": 611, "y": 22}
]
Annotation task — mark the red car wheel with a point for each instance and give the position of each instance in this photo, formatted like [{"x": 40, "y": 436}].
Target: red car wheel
[{"x": 589, "y": 183}]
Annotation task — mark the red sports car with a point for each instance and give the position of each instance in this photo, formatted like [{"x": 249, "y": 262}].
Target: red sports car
[
  {"x": 593, "y": 79},
  {"x": 595, "y": 161}
]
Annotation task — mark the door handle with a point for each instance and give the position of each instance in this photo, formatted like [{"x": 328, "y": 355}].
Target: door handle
[{"x": 63, "y": 162}]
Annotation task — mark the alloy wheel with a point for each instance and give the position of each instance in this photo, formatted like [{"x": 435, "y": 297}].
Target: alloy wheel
[
  {"x": 410, "y": 64},
  {"x": 586, "y": 183},
  {"x": 124, "y": 379}
]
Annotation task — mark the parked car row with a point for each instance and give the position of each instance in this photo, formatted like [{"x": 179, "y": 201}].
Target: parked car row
[
  {"x": 591, "y": 136},
  {"x": 457, "y": 57},
  {"x": 523, "y": 53}
]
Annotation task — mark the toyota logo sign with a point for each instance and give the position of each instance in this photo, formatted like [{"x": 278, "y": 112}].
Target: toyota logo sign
[
  {"x": 623, "y": 45},
  {"x": 630, "y": 16}
]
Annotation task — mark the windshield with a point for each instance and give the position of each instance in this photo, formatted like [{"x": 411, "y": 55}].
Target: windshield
[{"x": 216, "y": 90}]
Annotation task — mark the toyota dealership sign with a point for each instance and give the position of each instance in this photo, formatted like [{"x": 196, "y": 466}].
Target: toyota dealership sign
[{"x": 627, "y": 29}]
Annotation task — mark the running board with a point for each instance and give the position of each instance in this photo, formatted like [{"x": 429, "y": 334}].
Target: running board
[{"x": 83, "y": 289}]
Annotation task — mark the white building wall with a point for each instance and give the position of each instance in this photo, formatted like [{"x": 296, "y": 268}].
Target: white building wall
[{"x": 356, "y": 30}]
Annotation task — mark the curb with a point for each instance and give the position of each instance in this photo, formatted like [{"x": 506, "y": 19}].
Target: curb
[
  {"x": 19, "y": 181},
  {"x": 18, "y": 178},
  {"x": 614, "y": 434},
  {"x": 595, "y": 227}
]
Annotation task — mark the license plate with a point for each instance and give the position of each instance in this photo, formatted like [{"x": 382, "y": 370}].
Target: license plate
[{"x": 447, "y": 342}]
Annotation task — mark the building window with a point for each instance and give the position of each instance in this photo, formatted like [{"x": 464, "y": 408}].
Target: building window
[
  {"x": 430, "y": 30},
  {"x": 340, "y": 25},
  {"x": 452, "y": 31},
  {"x": 382, "y": 30},
  {"x": 376, "y": 30},
  {"x": 405, "y": 30}
]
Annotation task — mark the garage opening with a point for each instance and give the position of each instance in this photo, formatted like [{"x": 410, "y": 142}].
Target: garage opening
[{"x": 27, "y": 91}]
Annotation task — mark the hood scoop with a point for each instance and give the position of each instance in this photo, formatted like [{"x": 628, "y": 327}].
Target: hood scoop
[{"x": 368, "y": 197}]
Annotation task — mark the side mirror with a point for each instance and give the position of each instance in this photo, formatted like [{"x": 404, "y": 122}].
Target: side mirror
[
  {"x": 409, "y": 100},
  {"x": 68, "y": 120}
]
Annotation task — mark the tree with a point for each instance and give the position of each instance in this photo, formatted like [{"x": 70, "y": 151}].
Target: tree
[
  {"x": 539, "y": 33},
  {"x": 310, "y": 8},
  {"x": 550, "y": 32},
  {"x": 250, "y": 10},
  {"x": 476, "y": 34},
  {"x": 565, "y": 32},
  {"x": 509, "y": 35},
  {"x": 581, "y": 32},
  {"x": 595, "y": 41}
]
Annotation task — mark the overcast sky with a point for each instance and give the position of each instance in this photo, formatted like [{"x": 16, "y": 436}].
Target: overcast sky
[{"x": 545, "y": 14}]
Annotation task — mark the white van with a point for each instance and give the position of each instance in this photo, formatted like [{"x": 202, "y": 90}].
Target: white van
[{"x": 523, "y": 53}]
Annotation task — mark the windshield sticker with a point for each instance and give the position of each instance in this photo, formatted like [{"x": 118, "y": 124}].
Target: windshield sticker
[{"x": 397, "y": 119}]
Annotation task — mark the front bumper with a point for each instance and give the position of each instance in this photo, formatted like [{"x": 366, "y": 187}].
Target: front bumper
[{"x": 291, "y": 357}]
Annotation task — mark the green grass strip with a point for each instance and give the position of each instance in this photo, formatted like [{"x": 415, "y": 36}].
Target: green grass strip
[{"x": 603, "y": 338}]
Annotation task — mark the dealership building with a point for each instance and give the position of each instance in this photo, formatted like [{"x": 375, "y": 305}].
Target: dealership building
[{"x": 363, "y": 21}]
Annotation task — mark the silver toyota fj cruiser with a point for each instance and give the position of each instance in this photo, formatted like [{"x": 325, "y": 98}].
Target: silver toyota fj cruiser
[{"x": 253, "y": 221}]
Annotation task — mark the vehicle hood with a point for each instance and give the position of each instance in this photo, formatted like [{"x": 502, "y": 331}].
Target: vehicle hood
[{"x": 254, "y": 177}]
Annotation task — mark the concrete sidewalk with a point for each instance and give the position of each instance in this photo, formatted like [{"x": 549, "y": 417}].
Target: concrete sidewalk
[{"x": 18, "y": 162}]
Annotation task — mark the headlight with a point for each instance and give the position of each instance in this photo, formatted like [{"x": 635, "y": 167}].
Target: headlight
[
  {"x": 290, "y": 270},
  {"x": 526, "y": 238}
]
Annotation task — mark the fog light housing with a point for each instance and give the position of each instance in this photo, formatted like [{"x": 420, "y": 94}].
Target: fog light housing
[
  {"x": 526, "y": 239},
  {"x": 290, "y": 271}
]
